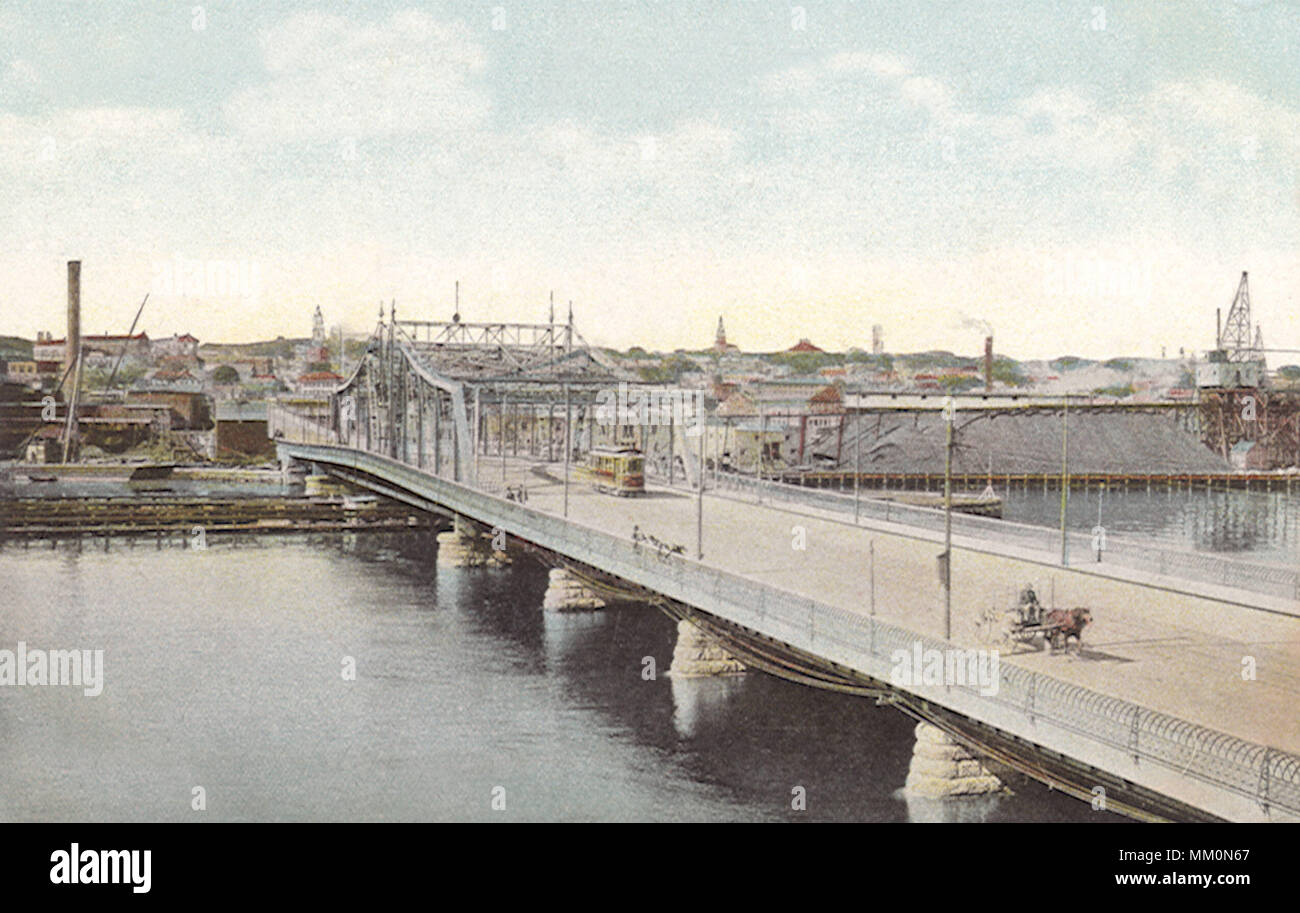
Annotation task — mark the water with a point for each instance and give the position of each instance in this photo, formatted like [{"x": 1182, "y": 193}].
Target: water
[
  {"x": 19, "y": 487},
  {"x": 224, "y": 670},
  {"x": 1255, "y": 526}
]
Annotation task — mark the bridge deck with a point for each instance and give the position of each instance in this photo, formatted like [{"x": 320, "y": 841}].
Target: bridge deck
[
  {"x": 1157, "y": 698},
  {"x": 1169, "y": 651}
]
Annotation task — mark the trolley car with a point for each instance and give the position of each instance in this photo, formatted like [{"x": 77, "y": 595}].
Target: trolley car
[{"x": 616, "y": 471}]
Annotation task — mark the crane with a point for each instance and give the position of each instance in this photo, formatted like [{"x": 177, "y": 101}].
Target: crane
[{"x": 1237, "y": 359}]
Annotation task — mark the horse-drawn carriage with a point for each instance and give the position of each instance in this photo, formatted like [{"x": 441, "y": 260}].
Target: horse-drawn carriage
[{"x": 1037, "y": 626}]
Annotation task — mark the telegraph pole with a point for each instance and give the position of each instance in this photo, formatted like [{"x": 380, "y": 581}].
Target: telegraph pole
[
  {"x": 1065, "y": 479},
  {"x": 950, "y": 415},
  {"x": 871, "y": 572},
  {"x": 857, "y": 473},
  {"x": 699, "y": 506},
  {"x": 1099, "y": 534}
]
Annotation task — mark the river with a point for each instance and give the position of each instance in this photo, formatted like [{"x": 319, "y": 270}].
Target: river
[{"x": 224, "y": 671}]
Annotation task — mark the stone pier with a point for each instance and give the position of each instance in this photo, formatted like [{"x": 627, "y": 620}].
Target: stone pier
[
  {"x": 943, "y": 768},
  {"x": 565, "y": 592},
  {"x": 698, "y": 654},
  {"x": 463, "y": 547}
]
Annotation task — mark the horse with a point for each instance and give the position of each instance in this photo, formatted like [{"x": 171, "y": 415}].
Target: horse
[{"x": 1070, "y": 621}]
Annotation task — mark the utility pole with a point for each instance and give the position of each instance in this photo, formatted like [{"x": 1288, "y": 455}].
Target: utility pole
[
  {"x": 871, "y": 572},
  {"x": 1065, "y": 478},
  {"x": 699, "y": 506},
  {"x": 950, "y": 415},
  {"x": 1099, "y": 534},
  {"x": 502, "y": 438},
  {"x": 857, "y": 474}
]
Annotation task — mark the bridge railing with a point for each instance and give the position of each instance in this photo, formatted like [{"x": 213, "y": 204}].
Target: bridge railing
[
  {"x": 1267, "y": 776},
  {"x": 1201, "y": 567},
  {"x": 308, "y": 427}
]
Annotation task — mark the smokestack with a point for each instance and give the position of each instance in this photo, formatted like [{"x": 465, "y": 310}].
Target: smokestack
[
  {"x": 988, "y": 364},
  {"x": 72, "y": 348}
]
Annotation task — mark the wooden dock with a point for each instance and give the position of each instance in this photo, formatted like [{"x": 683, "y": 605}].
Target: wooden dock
[{"x": 46, "y": 517}]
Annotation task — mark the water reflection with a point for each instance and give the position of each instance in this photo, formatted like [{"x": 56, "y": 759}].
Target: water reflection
[
  {"x": 966, "y": 810},
  {"x": 222, "y": 668},
  {"x": 700, "y": 702},
  {"x": 1254, "y": 525}
]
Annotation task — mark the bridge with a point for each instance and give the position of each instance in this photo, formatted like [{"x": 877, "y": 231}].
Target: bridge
[{"x": 1182, "y": 705}]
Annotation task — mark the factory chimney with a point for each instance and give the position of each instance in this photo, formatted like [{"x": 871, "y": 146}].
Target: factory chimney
[
  {"x": 988, "y": 364},
  {"x": 72, "y": 347}
]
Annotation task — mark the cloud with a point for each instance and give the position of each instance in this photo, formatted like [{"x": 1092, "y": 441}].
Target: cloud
[
  {"x": 20, "y": 73},
  {"x": 331, "y": 77},
  {"x": 74, "y": 139},
  {"x": 929, "y": 93},
  {"x": 885, "y": 65},
  {"x": 833, "y": 103},
  {"x": 865, "y": 154}
]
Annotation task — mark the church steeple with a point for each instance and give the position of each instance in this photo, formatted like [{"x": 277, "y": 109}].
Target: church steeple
[{"x": 720, "y": 340}]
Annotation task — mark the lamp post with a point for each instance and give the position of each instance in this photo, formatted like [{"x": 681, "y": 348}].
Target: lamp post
[
  {"x": 699, "y": 505},
  {"x": 857, "y": 474},
  {"x": 1099, "y": 532},
  {"x": 949, "y": 415},
  {"x": 1065, "y": 478},
  {"x": 568, "y": 447}
]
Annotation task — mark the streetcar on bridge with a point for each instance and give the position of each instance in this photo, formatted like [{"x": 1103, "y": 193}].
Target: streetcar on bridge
[{"x": 615, "y": 470}]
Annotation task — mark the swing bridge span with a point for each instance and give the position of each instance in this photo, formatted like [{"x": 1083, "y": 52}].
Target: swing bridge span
[{"x": 1181, "y": 706}]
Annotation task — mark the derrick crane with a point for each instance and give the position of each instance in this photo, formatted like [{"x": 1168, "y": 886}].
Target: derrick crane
[{"x": 1237, "y": 361}]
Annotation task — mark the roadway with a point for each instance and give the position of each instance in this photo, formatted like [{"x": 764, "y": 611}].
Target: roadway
[{"x": 1174, "y": 652}]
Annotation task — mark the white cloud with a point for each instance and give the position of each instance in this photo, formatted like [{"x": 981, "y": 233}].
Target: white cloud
[
  {"x": 929, "y": 93},
  {"x": 21, "y": 73},
  {"x": 687, "y": 151},
  {"x": 879, "y": 64},
  {"x": 858, "y": 152},
  {"x": 70, "y": 140},
  {"x": 332, "y": 77}
]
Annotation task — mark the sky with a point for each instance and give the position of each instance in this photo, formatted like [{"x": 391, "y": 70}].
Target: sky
[{"x": 1086, "y": 178}]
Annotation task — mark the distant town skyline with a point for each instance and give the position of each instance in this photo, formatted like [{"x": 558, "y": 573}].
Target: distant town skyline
[{"x": 1086, "y": 178}]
